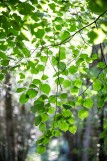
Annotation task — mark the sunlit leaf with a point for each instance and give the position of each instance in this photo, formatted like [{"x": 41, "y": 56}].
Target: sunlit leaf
[
  {"x": 88, "y": 103},
  {"x": 23, "y": 98},
  {"x": 73, "y": 69},
  {"x": 20, "y": 89},
  {"x": 82, "y": 114},
  {"x": 66, "y": 83},
  {"x": 65, "y": 35},
  {"x": 73, "y": 129},
  {"x": 97, "y": 85},
  {"x": 45, "y": 88},
  {"x": 3, "y": 56},
  {"x": 64, "y": 126}
]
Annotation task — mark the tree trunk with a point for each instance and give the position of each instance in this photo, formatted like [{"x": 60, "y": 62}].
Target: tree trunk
[
  {"x": 102, "y": 155},
  {"x": 9, "y": 121},
  {"x": 87, "y": 139},
  {"x": 100, "y": 50},
  {"x": 73, "y": 148}
]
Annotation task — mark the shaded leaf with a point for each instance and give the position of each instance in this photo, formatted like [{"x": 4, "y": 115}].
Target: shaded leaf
[
  {"x": 37, "y": 120},
  {"x": 41, "y": 149}
]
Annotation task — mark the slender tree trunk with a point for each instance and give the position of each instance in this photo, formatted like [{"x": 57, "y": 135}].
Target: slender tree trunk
[
  {"x": 87, "y": 139},
  {"x": 9, "y": 122},
  {"x": 100, "y": 50},
  {"x": 73, "y": 149},
  {"x": 1, "y": 131},
  {"x": 102, "y": 155}
]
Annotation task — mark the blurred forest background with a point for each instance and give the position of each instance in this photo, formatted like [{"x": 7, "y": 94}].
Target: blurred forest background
[{"x": 18, "y": 134}]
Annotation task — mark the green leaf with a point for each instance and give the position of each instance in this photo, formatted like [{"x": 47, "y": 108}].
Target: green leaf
[
  {"x": 88, "y": 103},
  {"x": 62, "y": 66},
  {"x": 36, "y": 82},
  {"x": 44, "y": 117},
  {"x": 63, "y": 96},
  {"x": 101, "y": 102},
  {"x": 57, "y": 133},
  {"x": 46, "y": 140},
  {"x": 97, "y": 85},
  {"x": 73, "y": 129},
  {"x": 74, "y": 91},
  {"x": 20, "y": 89},
  {"x": 37, "y": 120},
  {"x": 54, "y": 60},
  {"x": 25, "y": 8},
  {"x": 82, "y": 114},
  {"x": 40, "y": 67},
  {"x": 103, "y": 134},
  {"x": 31, "y": 64},
  {"x": 62, "y": 53},
  {"x": 59, "y": 80},
  {"x": 96, "y": 36},
  {"x": 40, "y": 33},
  {"x": 38, "y": 106},
  {"x": 72, "y": 27},
  {"x": 52, "y": 6},
  {"x": 58, "y": 117},
  {"x": 66, "y": 83},
  {"x": 101, "y": 65},
  {"x": 32, "y": 86},
  {"x": 34, "y": 109},
  {"x": 52, "y": 98},
  {"x": 26, "y": 52},
  {"x": 23, "y": 98},
  {"x": 66, "y": 106},
  {"x": 43, "y": 59},
  {"x": 1, "y": 77},
  {"x": 5, "y": 62},
  {"x": 65, "y": 35},
  {"x": 43, "y": 97},
  {"x": 41, "y": 149},
  {"x": 42, "y": 127},
  {"x": 95, "y": 56},
  {"x": 3, "y": 55},
  {"x": 32, "y": 93},
  {"x": 45, "y": 88},
  {"x": 98, "y": 7},
  {"x": 84, "y": 56},
  {"x": 66, "y": 113},
  {"x": 40, "y": 140},
  {"x": 22, "y": 76},
  {"x": 44, "y": 77},
  {"x": 73, "y": 69},
  {"x": 70, "y": 120},
  {"x": 78, "y": 83},
  {"x": 63, "y": 125},
  {"x": 51, "y": 110}
]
